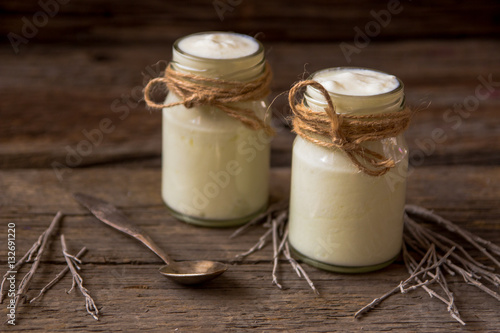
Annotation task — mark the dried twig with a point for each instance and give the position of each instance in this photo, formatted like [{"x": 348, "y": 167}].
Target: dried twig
[
  {"x": 469, "y": 278},
  {"x": 26, "y": 281},
  {"x": 275, "y": 254},
  {"x": 411, "y": 265},
  {"x": 472, "y": 239},
  {"x": 298, "y": 268},
  {"x": 439, "y": 254},
  {"x": 275, "y": 220},
  {"x": 460, "y": 262},
  {"x": 26, "y": 258},
  {"x": 78, "y": 281},
  {"x": 58, "y": 277},
  {"x": 467, "y": 261},
  {"x": 19, "y": 264},
  {"x": 258, "y": 246},
  {"x": 402, "y": 285}
]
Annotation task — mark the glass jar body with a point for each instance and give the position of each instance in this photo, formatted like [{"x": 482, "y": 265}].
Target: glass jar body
[
  {"x": 215, "y": 170},
  {"x": 342, "y": 219}
]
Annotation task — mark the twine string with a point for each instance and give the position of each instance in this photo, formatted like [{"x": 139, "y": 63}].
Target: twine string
[
  {"x": 347, "y": 132},
  {"x": 195, "y": 90}
]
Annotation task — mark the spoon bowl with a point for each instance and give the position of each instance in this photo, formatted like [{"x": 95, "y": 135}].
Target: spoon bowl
[
  {"x": 193, "y": 272},
  {"x": 183, "y": 272}
]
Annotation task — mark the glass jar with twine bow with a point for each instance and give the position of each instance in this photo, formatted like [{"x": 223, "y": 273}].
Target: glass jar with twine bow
[
  {"x": 349, "y": 170},
  {"x": 216, "y": 128}
]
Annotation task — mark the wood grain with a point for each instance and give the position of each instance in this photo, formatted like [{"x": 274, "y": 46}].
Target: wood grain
[{"x": 121, "y": 274}]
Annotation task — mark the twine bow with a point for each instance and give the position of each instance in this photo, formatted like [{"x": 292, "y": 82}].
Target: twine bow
[
  {"x": 195, "y": 90},
  {"x": 347, "y": 132}
]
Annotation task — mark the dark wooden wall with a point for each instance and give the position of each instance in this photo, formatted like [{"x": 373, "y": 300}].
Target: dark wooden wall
[
  {"x": 93, "y": 53},
  {"x": 155, "y": 21}
]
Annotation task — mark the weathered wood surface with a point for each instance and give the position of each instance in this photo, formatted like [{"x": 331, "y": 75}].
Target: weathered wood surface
[{"x": 121, "y": 274}]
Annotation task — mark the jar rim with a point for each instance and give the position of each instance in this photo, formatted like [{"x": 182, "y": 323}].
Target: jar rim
[
  {"x": 176, "y": 47},
  {"x": 396, "y": 90}
]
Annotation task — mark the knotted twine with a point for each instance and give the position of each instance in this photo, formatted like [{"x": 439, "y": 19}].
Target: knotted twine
[
  {"x": 347, "y": 132},
  {"x": 195, "y": 90}
]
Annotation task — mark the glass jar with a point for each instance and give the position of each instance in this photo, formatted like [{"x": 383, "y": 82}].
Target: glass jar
[
  {"x": 215, "y": 170},
  {"x": 342, "y": 219}
]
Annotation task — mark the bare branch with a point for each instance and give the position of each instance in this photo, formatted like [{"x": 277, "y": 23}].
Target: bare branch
[
  {"x": 275, "y": 254},
  {"x": 300, "y": 271},
  {"x": 258, "y": 246},
  {"x": 472, "y": 239},
  {"x": 26, "y": 258},
  {"x": 26, "y": 281},
  {"x": 78, "y": 281},
  {"x": 418, "y": 271},
  {"x": 58, "y": 277}
]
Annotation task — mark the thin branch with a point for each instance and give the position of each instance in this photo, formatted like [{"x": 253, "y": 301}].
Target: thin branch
[
  {"x": 471, "y": 265},
  {"x": 411, "y": 265},
  {"x": 468, "y": 277},
  {"x": 258, "y": 246},
  {"x": 58, "y": 277},
  {"x": 472, "y": 239},
  {"x": 26, "y": 258},
  {"x": 283, "y": 241},
  {"x": 26, "y": 281},
  {"x": 401, "y": 286},
  {"x": 439, "y": 255},
  {"x": 300, "y": 271},
  {"x": 472, "y": 270},
  {"x": 78, "y": 281},
  {"x": 275, "y": 251},
  {"x": 436, "y": 236}
]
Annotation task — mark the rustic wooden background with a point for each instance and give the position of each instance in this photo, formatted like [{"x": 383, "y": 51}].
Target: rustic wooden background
[{"x": 90, "y": 61}]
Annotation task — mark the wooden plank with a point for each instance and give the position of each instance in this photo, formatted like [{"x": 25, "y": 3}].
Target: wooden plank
[
  {"x": 68, "y": 90},
  {"x": 158, "y": 22},
  {"x": 132, "y": 298},
  {"x": 121, "y": 274}
]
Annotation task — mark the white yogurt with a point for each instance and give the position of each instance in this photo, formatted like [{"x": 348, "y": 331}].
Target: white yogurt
[
  {"x": 339, "y": 216},
  {"x": 357, "y": 82},
  {"x": 215, "y": 170},
  {"x": 219, "y": 45}
]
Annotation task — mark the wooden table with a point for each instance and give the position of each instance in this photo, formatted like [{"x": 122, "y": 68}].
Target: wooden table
[{"x": 82, "y": 69}]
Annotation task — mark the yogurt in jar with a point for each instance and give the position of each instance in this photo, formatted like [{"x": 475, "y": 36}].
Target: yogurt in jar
[
  {"x": 340, "y": 218},
  {"x": 215, "y": 171}
]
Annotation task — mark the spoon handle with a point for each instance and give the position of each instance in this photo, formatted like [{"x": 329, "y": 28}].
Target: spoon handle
[{"x": 113, "y": 217}]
